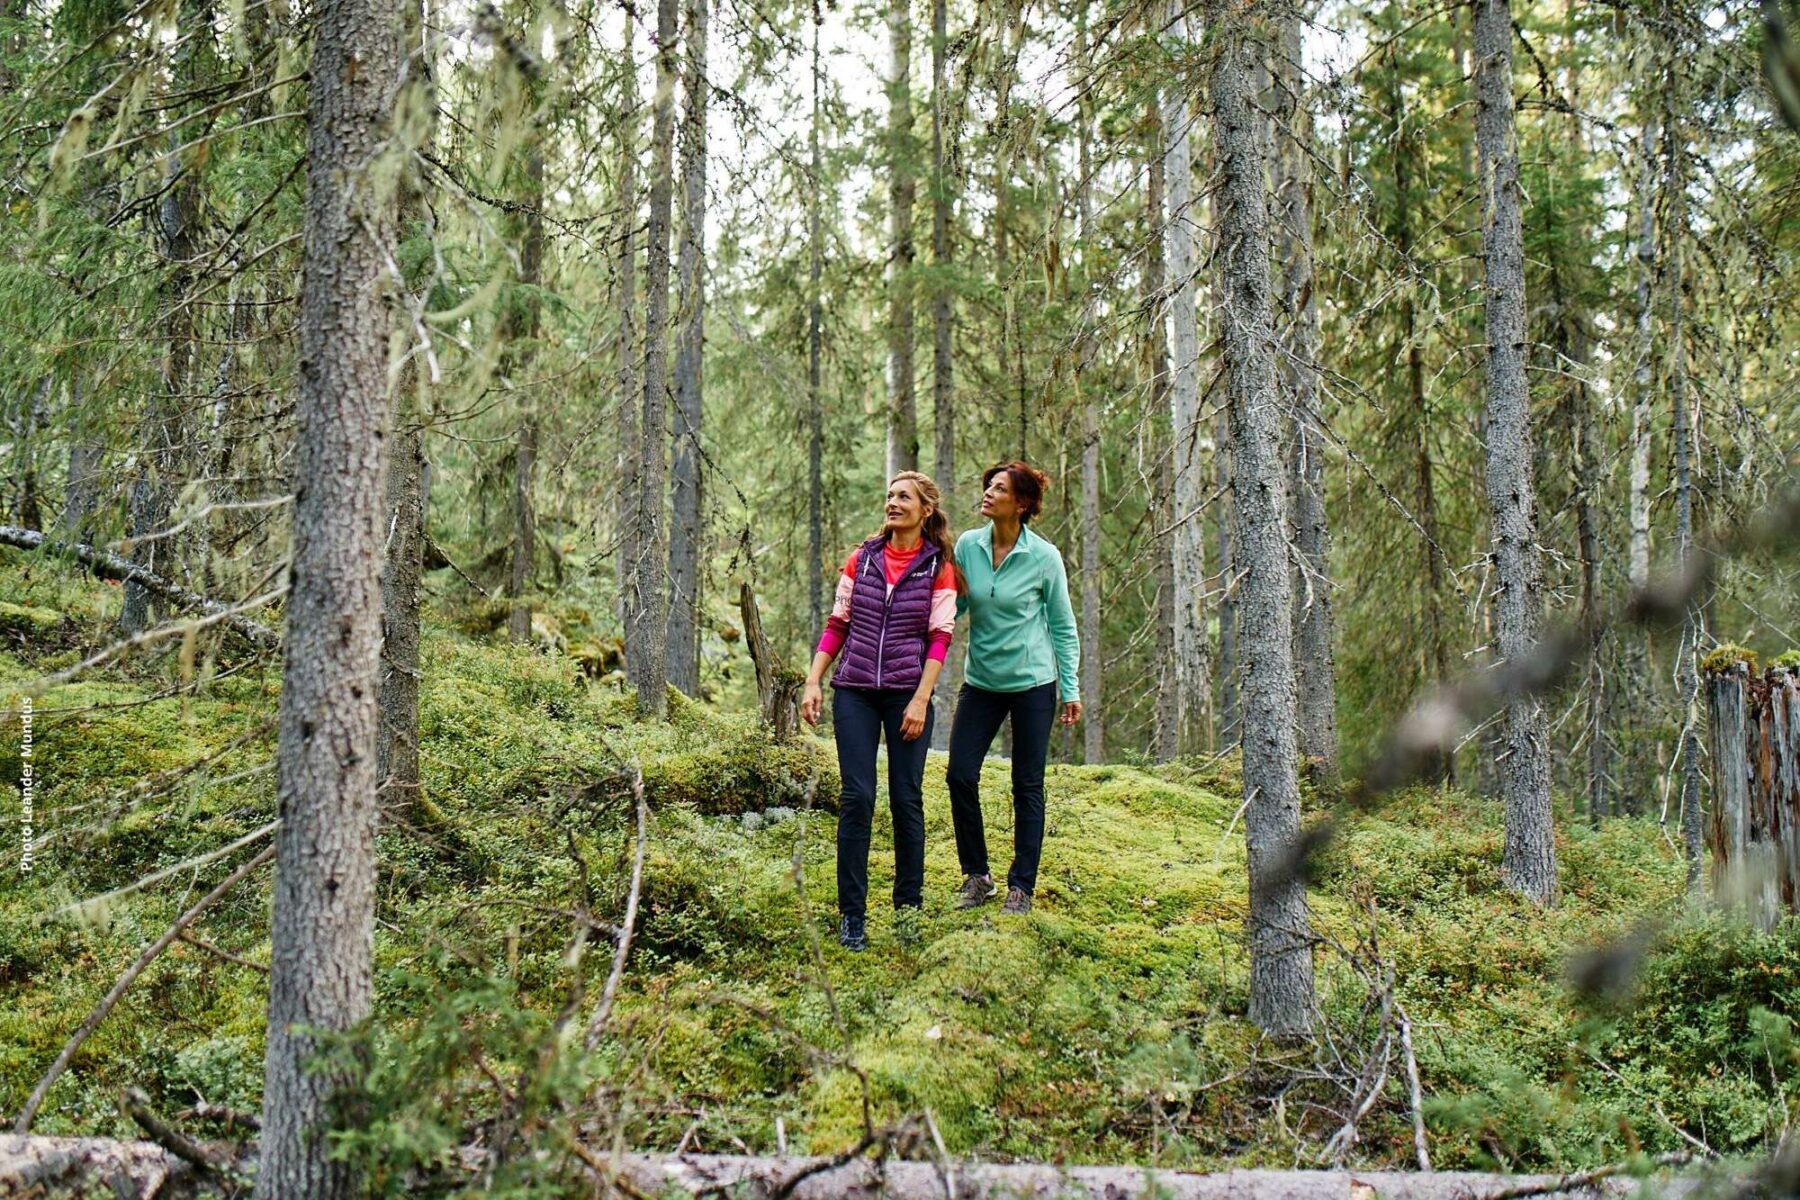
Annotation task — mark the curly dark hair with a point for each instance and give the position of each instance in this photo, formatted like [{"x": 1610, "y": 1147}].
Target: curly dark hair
[{"x": 1027, "y": 482}]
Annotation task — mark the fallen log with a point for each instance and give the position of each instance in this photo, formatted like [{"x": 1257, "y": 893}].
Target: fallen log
[
  {"x": 108, "y": 565},
  {"x": 50, "y": 1166}
]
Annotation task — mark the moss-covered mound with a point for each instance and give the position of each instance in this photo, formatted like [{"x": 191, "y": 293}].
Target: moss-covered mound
[{"x": 1108, "y": 1025}]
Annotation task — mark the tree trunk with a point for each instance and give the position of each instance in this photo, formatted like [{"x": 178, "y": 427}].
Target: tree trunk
[
  {"x": 1417, "y": 415},
  {"x": 646, "y": 654},
  {"x": 1315, "y": 673},
  {"x": 408, "y": 488},
  {"x": 87, "y": 460},
  {"x": 1188, "y": 540},
  {"x": 815, "y": 345},
  {"x": 1230, "y": 718},
  {"x": 1093, "y": 730},
  {"x": 1281, "y": 972},
  {"x": 324, "y": 903},
  {"x": 1692, "y": 626},
  {"x": 625, "y": 276},
  {"x": 163, "y": 429},
  {"x": 1167, "y": 730},
  {"x": 1529, "y": 856},
  {"x": 902, "y": 417},
  {"x": 520, "y": 324},
  {"x": 943, "y": 377},
  {"x": 686, "y": 528}
]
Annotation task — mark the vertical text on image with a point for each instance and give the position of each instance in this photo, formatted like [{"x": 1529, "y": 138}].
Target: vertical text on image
[{"x": 27, "y": 786}]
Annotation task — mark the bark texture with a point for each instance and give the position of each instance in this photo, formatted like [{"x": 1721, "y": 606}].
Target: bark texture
[
  {"x": 625, "y": 279},
  {"x": 1693, "y": 629},
  {"x": 1315, "y": 672},
  {"x": 646, "y": 650},
  {"x": 521, "y": 335},
  {"x": 1093, "y": 729},
  {"x": 943, "y": 327},
  {"x": 1167, "y": 728},
  {"x": 686, "y": 526},
  {"x": 815, "y": 343},
  {"x": 1188, "y": 540},
  {"x": 324, "y": 907},
  {"x": 903, "y": 421},
  {"x": 1528, "y": 859},
  {"x": 1281, "y": 969}
]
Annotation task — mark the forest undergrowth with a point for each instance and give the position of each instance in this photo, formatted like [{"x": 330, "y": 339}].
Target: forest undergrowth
[{"x": 1107, "y": 1026}]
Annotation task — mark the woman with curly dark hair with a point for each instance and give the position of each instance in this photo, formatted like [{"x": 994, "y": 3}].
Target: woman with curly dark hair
[{"x": 1024, "y": 662}]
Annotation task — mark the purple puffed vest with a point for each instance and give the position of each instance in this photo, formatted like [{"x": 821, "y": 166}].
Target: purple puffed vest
[{"x": 889, "y": 635}]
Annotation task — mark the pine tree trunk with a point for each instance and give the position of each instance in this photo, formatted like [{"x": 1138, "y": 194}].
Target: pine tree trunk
[
  {"x": 685, "y": 531},
  {"x": 1418, "y": 421},
  {"x": 815, "y": 344},
  {"x": 1093, "y": 729},
  {"x": 1528, "y": 859},
  {"x": 87, "y": 460},
  {"x": 522, "y": 324},
  {"x": 1315, "y": 672},
  {"x": 1188, "y": 540},
  {"x": 1281, "y": 972},
  {"x": 1692, "y": 626},
  {"x": 902, "y": 417},
  {"x": 943, "y": 377},
  {"x": 1230, "y": 718},
  {"x": 1167, "y": 729},
  {"x": 163, "y": 430},
  {"x": 324, "y": 911},
  {"x": 397, "y": 739},
  {"x": 646, "y": 654},
  {"x": 625, "y": 278}
]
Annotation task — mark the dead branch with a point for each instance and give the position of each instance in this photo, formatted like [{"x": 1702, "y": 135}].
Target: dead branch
[
  {"x": 108, "y": 565},
  {"x": 23, "y": 1125}
]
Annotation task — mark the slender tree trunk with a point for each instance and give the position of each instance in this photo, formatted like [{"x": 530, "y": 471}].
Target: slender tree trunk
[
  {"x": 1529, "y": 856},
  {"x": 1315, "y": 672},
  {"x": 1093, "y": 730},
  {"x": 324, "y": 906},
  {"x": 1418, "y": 421},
  {"x": 943, "y": 378},
  {"x": 685, "y": 531},
  {"x": 1639, "y": 770},
  {"x": 903, "y": 421},
  {"x": 408, "y": 487},
  {"x": 87, "y": 459},
  {"x": 1188, "y": 540},
  {"x": 521, "y": 325},
  {"x": 163, "y": 432},
  {"x": 1167, "y": 731},
  {"x": 815, "y": 344},
  {"x": 646, "y": 660},
  {"x": 625, "y": 276},
  {"x": 1281, "y": 973},
  {"x": 1692, "y": 625},
  {"x": 1230, "y": 717}
]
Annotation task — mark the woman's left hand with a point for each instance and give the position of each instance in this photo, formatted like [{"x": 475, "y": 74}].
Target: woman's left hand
[
  {"x": 1071, "y": 712},
  {"x": 912, "y": 721}
]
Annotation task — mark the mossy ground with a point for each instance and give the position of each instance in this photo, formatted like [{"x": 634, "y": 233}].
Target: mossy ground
[{"x": 1108, "y": 1025}]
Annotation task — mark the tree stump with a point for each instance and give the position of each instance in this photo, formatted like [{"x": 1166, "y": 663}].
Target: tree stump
[{"x": 777, "y": 686}]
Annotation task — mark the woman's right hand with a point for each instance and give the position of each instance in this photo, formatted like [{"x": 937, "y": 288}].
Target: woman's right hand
[{"x": 811, "y": 701}]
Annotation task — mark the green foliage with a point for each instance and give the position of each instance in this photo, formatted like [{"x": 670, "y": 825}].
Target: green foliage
[{"x": 1727, "y": 655}]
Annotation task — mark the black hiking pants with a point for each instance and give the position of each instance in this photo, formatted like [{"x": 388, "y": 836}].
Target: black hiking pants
[
  {"x": 858, "y": 717},
  {"x": 978, "y": 717}
]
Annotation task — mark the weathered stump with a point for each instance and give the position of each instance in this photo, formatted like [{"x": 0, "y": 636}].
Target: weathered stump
[
  {"x": 1754, "y": 827},
  {"x": 777, "y": 687}
]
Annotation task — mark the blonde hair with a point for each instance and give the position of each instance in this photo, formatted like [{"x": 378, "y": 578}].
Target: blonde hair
[{"x": 937, "y": 522}]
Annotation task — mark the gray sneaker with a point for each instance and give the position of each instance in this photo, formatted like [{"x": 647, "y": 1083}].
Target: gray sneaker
[
  {"x": 1018, "y": 902},
  {"x": 976, "y": 891}
]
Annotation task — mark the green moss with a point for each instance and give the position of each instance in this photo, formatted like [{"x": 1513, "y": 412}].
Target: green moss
[
  {"x": 1727, "y": 655},
  {"x": 27, "y": 621},
  {"x": 1787, "y": 659}
]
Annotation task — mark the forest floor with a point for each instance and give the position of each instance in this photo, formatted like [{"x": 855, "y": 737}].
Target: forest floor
[{"x": 1106, "y": 1026}]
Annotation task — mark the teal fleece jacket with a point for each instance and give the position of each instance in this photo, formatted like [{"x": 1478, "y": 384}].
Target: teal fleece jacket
[{"x": 1021, "y": 625}]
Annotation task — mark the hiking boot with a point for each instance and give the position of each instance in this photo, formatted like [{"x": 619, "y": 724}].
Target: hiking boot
[
  {"x": 850, "y": 933},
  {"x": 1018, "y": 902},
  {"x": 908, "y": 924},
  {"x": 976, "y": 891}
]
